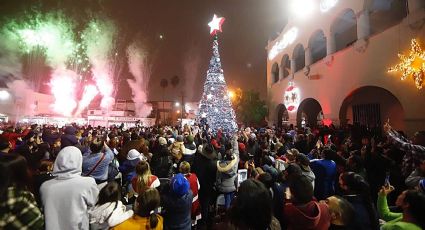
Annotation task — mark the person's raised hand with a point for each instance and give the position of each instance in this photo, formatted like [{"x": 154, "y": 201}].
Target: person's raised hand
[{"x": 385, "y": 190}]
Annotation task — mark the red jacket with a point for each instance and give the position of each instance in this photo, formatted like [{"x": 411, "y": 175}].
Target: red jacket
[
  {"x": 12, "y": 137},
  {"x": 194, "y": 186},
  {"x": 312, "y": 215}
]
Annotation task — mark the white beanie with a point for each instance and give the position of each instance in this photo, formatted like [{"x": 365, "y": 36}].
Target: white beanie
[{"x": 133, "y": 154}]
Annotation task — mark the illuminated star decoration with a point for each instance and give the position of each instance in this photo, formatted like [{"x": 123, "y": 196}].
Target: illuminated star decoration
[
  {"x": 215, "y": 24},
  {"x": 412, "y": 65}
]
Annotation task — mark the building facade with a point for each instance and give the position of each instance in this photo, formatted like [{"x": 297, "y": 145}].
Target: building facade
[{"x": 332, "y": 67}]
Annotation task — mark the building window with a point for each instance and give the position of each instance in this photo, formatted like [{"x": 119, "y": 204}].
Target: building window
[
  {"x": 344, "y": 29},
  {"x": 386, "y": 13},
  {"x": 317, "y": 44},
  {"x": 299, "y": 57},
  {"x": 285, "y": 66}
]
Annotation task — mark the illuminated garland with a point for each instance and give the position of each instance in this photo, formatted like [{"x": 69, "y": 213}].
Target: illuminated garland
[{"x": 412, "y": 65}]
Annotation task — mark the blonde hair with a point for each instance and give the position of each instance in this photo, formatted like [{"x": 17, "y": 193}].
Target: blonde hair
[
  {"x": 184, "y": 167},
  {"x": 143, "y": 173}
]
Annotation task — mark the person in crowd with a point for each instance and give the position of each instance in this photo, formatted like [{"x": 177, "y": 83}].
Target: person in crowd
[
  {"x": 18, "y": 207},
  {"x": 5, "y": 146},
  {"x": 205, "y": 168},
  {"x": 145, "y": 216},
  {"x": 411, "y": 202},
  {"x": 227, "y": 171},
  {"x": 355, "y": 164},
  {"x": 325, "y": 171},
  {"x": 69, "y": 189},
  {"x": 190, "y": 149},
  {"x": 342, "y": 213},
  {"x": 279, "y": 188},
  {"x": 177, "y": 203},
  {"x": 43, "y": 174},
  {"x": 304, "y": 163},
  {"x": 177, "y": 150},
  {"x": 415, "y": 150},
  {"x": 194, "y": 187},
  {"x": 303, "y": 212},
  {"x": 109, "y": 210},
  {"x": 252, "y": 208},
  {"x": 69, "y": 137},
  {"x": 160, "y": 162},
  {"x": 11, "y": 136},
  {"x": 268, "y": 182},
  {"x": 96, "y": 164},
  {"x": 418, "y": 174},
  {"x": 135, "y": 143},
  {"x": 144, "y": 178},
  {"x": 127, "y": 168},
  {"x": 356, "y": 190}
]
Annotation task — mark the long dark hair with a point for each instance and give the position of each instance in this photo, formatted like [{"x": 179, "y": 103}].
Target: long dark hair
[
  {"x": 147, "y": 202},
  {"x": 110, "y": 193},
  {"x": 253, "y": 206},
  {"x": 13, "y": 171},
  {"x": 356, "y": 184}
]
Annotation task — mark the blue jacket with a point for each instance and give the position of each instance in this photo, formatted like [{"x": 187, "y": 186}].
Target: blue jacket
[{"x": 177, "y": 214}]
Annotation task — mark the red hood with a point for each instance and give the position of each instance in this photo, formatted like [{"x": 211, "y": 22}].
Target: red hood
[{"x": 312, "y": 215}]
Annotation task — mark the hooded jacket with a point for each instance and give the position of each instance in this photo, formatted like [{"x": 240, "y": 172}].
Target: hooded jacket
[
  {"x": 99, "y": 215},
  {"x": 227, "y": 171},
  {"x": 68, "y": 197},
  {"x": 312, "y": 215}
]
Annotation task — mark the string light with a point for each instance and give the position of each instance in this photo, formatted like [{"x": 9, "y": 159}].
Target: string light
[{"x": 412, "y": 65}]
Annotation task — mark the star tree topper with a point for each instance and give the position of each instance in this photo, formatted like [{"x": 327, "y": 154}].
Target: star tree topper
[{"x": 215, "y": 24}]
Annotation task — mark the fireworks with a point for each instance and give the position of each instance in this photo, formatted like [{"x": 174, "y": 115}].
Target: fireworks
[
  {"x": 99, "y": 38},
  {"x": 63, "y": 85}
]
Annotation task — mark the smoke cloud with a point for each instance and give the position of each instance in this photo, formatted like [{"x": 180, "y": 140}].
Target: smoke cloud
[{"x": 140, "y": 68}]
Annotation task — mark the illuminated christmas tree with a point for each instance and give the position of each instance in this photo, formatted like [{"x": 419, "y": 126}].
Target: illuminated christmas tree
[{"x": 215, "y": 107}]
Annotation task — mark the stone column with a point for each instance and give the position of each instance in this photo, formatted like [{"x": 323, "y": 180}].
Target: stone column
[
  {"x": 293, "y": 66},
  {"x": 363, "y": 25},
  {"x": 330, "y": 44},
  {"x": 308, "y": 57}
]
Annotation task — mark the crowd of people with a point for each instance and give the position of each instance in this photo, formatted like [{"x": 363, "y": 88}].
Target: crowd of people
[{"x": 190, "y": 177}]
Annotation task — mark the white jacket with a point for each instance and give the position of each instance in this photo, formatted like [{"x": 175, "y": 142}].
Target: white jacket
[
  {"x": 99, "y": 215},
  {"x": 68, "y": 197}
]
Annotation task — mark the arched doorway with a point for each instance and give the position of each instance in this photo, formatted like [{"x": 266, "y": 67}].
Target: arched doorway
[
  {"x": 372, "y": 106},
  {"x": 282, "y": 115},
  {"x": 309, "y": 112}
]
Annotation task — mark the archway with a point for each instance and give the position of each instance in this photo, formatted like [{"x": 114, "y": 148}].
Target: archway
[
  {"x": 282, "y": 115},
  {"x": 344, "y": 29},
  {"x": 385, "y": 14},
  {"x": 285, "y": 66},
  {"x": 309, "y": 112},
  {"x": 372, "y": 106},
  {"x": 317, "y": 44},
  {"x": 299, "y": 57}
]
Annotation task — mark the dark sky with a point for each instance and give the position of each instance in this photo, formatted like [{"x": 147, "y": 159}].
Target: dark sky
[{"x": 185, "y": 49}]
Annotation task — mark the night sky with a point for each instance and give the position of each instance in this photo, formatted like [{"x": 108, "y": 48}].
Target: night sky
[{"x": 185, "y": 48}]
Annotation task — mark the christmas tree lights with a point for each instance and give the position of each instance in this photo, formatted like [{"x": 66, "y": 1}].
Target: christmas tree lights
[{"x": 215, "y": 106}]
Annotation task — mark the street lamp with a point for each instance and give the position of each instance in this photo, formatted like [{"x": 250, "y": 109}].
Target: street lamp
[{"x": 177, "y": 104}]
